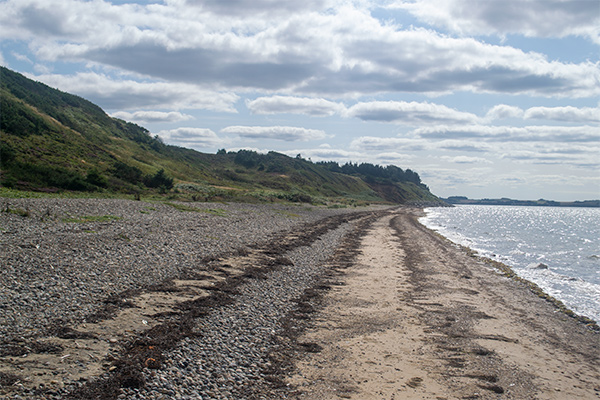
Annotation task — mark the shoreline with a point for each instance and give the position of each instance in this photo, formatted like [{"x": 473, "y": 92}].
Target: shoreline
[
  {"x": 418, "y": 317},
  {"x": 509, "y": 272},
  {"x": 512, "y": 271},
  {"x": 296, "y": 262}
]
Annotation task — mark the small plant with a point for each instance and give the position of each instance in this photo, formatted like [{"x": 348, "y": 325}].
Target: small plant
[
  {"x": 288, "y": 214},
  {"x": 17, "y": 211},
  {"x": 124, "y": 237},
  {"x": 214, "y": 211},
  {"x": 91, "y": 218}
]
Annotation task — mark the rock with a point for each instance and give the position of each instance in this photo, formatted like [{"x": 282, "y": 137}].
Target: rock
[{"x": 537, "y": 266}]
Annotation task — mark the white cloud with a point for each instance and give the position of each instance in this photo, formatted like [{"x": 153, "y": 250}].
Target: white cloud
[
  {"x": 195, "y": 138},
  {"x": 536, "y": 18},
  {"x": 294, "y": 105},
  {"x": 409, "y": 113},
  {"x": 568, "y": 114},
  {"x": 372, "y": 143},
  {"x": 285, "y": 133},
  {"x": 467, "y": 160},
  {"x": 502, "y": 111},
  {"x": 335, "y": 51},
  {"x": 127, "y": 94},
  {"x": 152, "y": 116},
  {"x": 327, "y": 154},
  {"x": 560, "y": 134},
  {"x": 244, "y": 8},
  {"x": 21, "y": 57}
]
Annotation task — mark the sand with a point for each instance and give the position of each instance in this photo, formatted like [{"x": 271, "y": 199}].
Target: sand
[{"x": 416, "y": 317}]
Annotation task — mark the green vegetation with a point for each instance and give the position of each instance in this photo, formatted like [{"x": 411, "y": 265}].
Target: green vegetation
[
  {"x": 55, "y": 143},
  {"x": 214, "y": 211},
  {"x": 17, "y": 211},
  {"x": 91, "y": 218}
]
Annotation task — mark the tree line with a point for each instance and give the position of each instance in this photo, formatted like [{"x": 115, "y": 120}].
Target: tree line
[{"x": 374, "y": 173}]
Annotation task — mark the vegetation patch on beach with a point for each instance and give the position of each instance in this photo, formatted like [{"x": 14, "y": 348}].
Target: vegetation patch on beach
[
  {"x": 17, "y": 211},
  {"x": 213, "y": 211},
  {"x": 91, "y": 218}
]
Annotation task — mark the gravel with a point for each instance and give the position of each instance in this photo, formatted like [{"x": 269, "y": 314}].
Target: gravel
[
  {"x": 60, "y": 271},
  {"x": 229, "y": 357},
  {"x": 58, "y": 265}
]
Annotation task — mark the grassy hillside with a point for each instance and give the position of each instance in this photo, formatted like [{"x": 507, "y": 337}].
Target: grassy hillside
[{"x": 54, "y": 141}]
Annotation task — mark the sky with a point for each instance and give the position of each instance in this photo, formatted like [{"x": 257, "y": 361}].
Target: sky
[{"x": 483, "y": 99}]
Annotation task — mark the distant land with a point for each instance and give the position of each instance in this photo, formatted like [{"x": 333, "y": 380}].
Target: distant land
[{"x": 512, "y": 202}]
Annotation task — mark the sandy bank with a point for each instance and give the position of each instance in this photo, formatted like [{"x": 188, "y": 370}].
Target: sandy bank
[{"x": 415, "y": 317}]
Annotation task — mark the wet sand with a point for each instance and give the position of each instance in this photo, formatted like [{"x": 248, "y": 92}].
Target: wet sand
[{"x": 416, "y": 317}]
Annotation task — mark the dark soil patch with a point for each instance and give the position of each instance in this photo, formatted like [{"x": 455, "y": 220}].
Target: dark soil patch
[{"x": 20, "y": 348}]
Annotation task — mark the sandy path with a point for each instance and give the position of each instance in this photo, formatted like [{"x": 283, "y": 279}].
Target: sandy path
[{"x": 418, "y": 318}]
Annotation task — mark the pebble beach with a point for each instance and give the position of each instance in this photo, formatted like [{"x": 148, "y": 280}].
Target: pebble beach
[
  {"x": 63, "y": 258},
  {"x": 58, "y": 266}
]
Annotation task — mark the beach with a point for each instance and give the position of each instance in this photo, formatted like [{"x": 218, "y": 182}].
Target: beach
[
  {"x": 195, "y": 300},
  {"x": 417, "y": 317}
]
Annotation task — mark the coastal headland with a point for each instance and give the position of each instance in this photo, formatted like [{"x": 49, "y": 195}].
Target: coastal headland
[{"x": 105, "y": 299}]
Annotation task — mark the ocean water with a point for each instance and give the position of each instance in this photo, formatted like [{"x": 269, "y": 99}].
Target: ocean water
[{"x": 558, "y": 248}]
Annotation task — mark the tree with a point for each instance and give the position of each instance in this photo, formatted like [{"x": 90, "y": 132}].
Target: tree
[{"x": 159, "y": 180}]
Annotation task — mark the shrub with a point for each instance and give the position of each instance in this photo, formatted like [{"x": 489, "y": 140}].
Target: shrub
[
  {"x": 93, "y": 177},
  {"x": 159, "y": 180}
]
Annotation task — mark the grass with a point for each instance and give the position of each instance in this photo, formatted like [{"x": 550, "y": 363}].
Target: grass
[
  {"x": 182, "y": 207},
  {"x": 9, "y": 193},
  {"x": 288, "y": 214},
  {"x": 17, "y": 211},
  {"x": 91, "y": 218}
]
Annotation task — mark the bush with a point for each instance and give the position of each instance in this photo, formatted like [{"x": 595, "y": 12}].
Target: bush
[
  {"x": 159, "y": 180},
  {"x": 127, "y": 173},
  {"x": 93, "y": 177}
]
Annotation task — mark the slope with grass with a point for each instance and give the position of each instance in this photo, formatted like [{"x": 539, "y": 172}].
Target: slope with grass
[{"x": 55, "y": 141}]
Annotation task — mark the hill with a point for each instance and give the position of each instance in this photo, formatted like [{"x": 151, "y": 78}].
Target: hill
[{"x": 55, "y": 141}]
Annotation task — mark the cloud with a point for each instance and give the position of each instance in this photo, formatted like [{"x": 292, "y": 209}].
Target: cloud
[
  {"x": 294, "y": 105},
  {"x": 567, "y": 114},
  {"x": 372, "y": 143},
  {"x": 193, "y": 138},
  {"x": 409, "y": 113},
  {"x": 241, "y": 8},
  {"x": 21, "y": 57},
  {"x": 502, "y": 111},
  {"x": 327, "y": 154},
  {"x": 152, "y": 116},
  {"x": 566, "y": 134},
  {"x": 563, "y": 114},
  {"x": 285, "y": 133},
  {"x": 545, "y": 157},
  {"x": 534, "y": 18},
  {"x": 467, "y": 160},
  {"x": 361, "y": 55},
  {"x": 127, "y": 94}
]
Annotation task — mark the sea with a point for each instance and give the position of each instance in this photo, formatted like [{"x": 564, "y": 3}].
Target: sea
[{"x": 558, "y": 248}]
